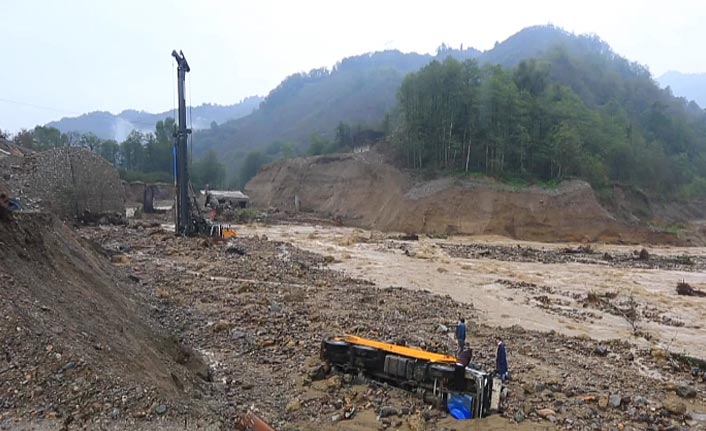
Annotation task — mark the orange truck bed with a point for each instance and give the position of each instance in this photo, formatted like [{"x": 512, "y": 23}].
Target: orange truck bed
[{"x": 409, "y": 352}]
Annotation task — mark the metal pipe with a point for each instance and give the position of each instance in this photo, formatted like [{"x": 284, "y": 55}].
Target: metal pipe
[{"x": 251, "y": 422}]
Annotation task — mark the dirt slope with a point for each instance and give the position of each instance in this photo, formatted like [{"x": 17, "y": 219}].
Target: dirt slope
[
  {"x": 364, "y": 191},
  {"x": 76, "y": 336}
]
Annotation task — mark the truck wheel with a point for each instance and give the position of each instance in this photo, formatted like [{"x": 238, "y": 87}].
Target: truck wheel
[
  {"x": 336, "y": 346},
  {"x": 335, "y": 351}
]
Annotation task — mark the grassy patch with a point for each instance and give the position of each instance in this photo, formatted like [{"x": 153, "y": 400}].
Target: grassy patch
[{"x": 673, "y": 228}]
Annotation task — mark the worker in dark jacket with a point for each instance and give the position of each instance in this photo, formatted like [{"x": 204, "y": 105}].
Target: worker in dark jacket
[
  {"x": 464, "y": 358},
  {"x": 461, "y": 334},
  {"x": 501, "y": 360}
]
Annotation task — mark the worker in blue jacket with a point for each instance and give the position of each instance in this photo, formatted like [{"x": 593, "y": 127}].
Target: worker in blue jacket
[
  {"x": 460, "y": 335},
  {"x": 501, "y": 359}
]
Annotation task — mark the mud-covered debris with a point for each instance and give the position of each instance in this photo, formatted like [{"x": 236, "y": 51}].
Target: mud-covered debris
[
  {"x": 582, "y": 254},
  {"x": 644, "y": 254},
  {"x": 685, "y": 391},
  {"x": 615, "y": 400},
  {"x": 601, "y": 350},
  {"x": 685, "y": 289},
  {"x": 545, "y": 413},
  {"x": 675, "y": 407},
  {"x": 236, "y": 250}
]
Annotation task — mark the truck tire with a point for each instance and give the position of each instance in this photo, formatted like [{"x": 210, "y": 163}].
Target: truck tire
[
  {"x": 336, "y": 346},
  {"x": 335, "y": 351}
]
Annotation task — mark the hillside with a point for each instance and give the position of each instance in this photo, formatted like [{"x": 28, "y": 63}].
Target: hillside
[
  {"x": 691, "y": 86},
  {"x": 576, "y": 111},
  {"x": 110, "y": 126},
  {"x": 358, "y": 90},
  {"x": 611, "y": 90},
  {"x": 528, "y": 43},
  {"x": 339, "y": 185}
]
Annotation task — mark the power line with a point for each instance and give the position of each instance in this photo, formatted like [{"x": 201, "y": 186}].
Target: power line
[{"x": 16, "y": 102}]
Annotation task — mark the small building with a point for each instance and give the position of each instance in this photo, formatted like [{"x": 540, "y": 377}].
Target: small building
[{"x": 227, "y": 198}]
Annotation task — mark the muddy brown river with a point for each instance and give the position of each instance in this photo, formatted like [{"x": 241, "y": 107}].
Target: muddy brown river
[{"x": 554, "y": 299}]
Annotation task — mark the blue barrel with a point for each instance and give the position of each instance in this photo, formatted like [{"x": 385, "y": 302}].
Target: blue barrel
[{"x": 460, "y": 406}]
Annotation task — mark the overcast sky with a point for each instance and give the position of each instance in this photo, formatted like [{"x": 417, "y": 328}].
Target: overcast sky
[{"x": 65, "y": 58}]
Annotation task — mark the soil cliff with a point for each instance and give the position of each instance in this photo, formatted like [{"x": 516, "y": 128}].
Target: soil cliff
[{"x": 362, "y": 190}]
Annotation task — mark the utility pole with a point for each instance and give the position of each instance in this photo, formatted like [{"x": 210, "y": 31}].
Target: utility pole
[{"x": 183, "y": 211}]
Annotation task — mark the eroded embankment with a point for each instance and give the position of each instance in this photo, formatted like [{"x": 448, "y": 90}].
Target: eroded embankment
[
  {"x": 362, "y": 190},
  {"x": 77, "y": 340}
]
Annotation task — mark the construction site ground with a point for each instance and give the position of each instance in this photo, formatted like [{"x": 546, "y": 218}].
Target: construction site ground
[{"x": 255, "y": 309}]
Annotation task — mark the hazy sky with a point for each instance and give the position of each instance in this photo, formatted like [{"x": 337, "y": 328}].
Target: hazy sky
[{"x": 65, "y": 58}]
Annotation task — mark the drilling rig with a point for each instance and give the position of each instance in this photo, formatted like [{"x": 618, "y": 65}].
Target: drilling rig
[
  {"x": 184, "y": 224},
  {"x": 189, "y": 219}
]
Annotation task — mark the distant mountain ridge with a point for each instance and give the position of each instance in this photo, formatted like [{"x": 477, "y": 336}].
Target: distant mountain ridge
[
  {"x": 110, "y": 126},
  {"x": 691, "y": 86}
]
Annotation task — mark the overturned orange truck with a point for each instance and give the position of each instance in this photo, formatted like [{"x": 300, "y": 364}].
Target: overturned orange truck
[{"x": 468, "y": 391}]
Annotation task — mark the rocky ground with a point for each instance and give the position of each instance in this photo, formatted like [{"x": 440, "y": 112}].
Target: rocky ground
[
  {"x": 639, "y": 258},
  {"x": 257, "y": 310}
]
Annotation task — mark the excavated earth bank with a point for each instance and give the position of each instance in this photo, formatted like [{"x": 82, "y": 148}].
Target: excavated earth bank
[{"x": 362, "y": 190}]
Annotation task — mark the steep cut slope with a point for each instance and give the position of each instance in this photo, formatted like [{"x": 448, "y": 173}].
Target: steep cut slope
[
  {"x": 364, "y": 191},
  {"x": 76, "y": 337}
]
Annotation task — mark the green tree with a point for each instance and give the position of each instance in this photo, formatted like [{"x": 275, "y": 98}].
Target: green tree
[
  {"x": 159, "y": 154},
  {"x": 110, "y": 150},
  {"x": 209, "y": 171},
  {"x": 250, "y": 167},
  {"x": 317, "y": 146},
  {"x": 25, "y": 138},
  {"x": 90, "y": 141},
  {"x": 344, "y": 138},
  {"x": 48, "y": 137},
  {"x": 132, "y": 151}
]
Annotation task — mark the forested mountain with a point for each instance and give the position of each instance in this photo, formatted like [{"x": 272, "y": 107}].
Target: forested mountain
[
  {"x": 691, "y": 86},
  {"x": 358, "y": 89},
  {"x": 109, "y": 126},
  {"x": 575, "y": 110}
]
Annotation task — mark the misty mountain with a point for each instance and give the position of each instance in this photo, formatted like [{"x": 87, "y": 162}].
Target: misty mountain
[
  {"x": 109, "y": 126},
  {"x": 691, "y": 86},
  {"x": 360, "y": 90}
]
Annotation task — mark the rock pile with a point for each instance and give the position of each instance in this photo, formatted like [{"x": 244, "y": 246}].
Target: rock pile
[{"x": 69, "y": 182}]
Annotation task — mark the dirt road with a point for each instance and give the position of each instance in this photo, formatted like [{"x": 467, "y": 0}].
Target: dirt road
[{"x": 534, "y": 295}]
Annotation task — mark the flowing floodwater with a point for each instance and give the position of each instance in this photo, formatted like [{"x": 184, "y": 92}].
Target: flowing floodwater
[{"x": 488, "y": 283}]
